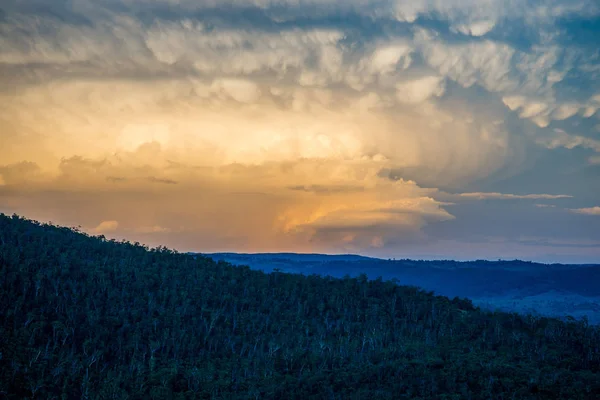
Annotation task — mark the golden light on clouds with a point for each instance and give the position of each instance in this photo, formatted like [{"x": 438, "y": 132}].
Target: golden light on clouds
[
  {"x": 294, "y": 169},
  {"x": 280, "y": 130}
]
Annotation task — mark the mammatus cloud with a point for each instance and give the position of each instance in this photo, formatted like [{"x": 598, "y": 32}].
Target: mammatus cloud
[
  {"x": 587, "y": 211},
  {"x": 418, "y": 90},
  {"x": 212, "y": 118},
  {"x": 559, "y": 138}
]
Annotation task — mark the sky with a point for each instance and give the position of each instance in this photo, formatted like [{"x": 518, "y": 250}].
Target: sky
[{"x": 392, "y": 128}]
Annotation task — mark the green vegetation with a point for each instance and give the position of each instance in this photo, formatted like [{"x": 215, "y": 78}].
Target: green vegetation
[{"x": 83, "y": 317}]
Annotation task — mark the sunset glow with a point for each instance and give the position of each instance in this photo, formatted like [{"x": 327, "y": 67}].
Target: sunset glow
[{"x": 390, "y": 128}]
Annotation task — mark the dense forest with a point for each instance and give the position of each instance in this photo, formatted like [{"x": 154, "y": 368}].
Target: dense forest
[
  {"x": 84, "y": 317},
  {"x": 447, "y": 277},
  {"x": 558, "y": 290}
]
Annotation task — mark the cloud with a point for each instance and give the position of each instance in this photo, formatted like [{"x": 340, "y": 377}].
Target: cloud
[
  {"x": 478, "y": 28},
  {"x": 419, "y": 90},
  {"x": 559, "y": 138},
  {"x": 116, "y": 179},
  {"x": 587, "y": 211},
  {"x": 526, "y": 80},
  {"x": 106, "y": 227},
  {"x": 304, "y": 205},
  {"x": 152, "y": 229},
  {"x": 543, "y": 241},
  {"x": 480, "y": 15},
  {"x": 365, "y": 223},
  {"x": 545, "y": 205},
  {"x": 386, "y": 58},
  {"x": 508, "y": 196},
  {"x": 298, "y": 123},
  {"x": 243, "y": 91},
  {"x": 219, "y": 116},
  {"x": 154, "y": 179},
  {"x": 328, "y": 189},
  {"x": 20, "y": 172}
]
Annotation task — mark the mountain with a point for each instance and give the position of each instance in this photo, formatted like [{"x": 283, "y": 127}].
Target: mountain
[
  {"x": 559, "y": 290},
  {"x": 83, "y": 317}
]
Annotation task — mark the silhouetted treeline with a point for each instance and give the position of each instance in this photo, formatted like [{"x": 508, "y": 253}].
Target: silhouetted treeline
[{"x": 82, "y": 317}]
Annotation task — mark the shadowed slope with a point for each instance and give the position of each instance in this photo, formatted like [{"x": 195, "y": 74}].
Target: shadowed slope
[
  {"x": 84, "y": 317},
  {"x": 559, "y": 290}
]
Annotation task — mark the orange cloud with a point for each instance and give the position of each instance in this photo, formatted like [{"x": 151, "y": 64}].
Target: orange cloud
[{"x": 106, "y": 227}]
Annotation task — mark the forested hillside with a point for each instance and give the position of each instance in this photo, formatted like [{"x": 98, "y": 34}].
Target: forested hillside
[
  {"x": 83, "y": 317},
  {"x": 558, "y": 290}
]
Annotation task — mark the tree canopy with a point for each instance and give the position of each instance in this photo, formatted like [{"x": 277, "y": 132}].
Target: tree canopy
[{"x": 83, "y": 317}]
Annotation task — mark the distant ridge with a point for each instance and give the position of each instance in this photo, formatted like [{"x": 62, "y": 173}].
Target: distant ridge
[
  {"x": 358, "y": 257},
  {"x": 294, "y": 256},
  {"x": 522, "y": 286}
]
